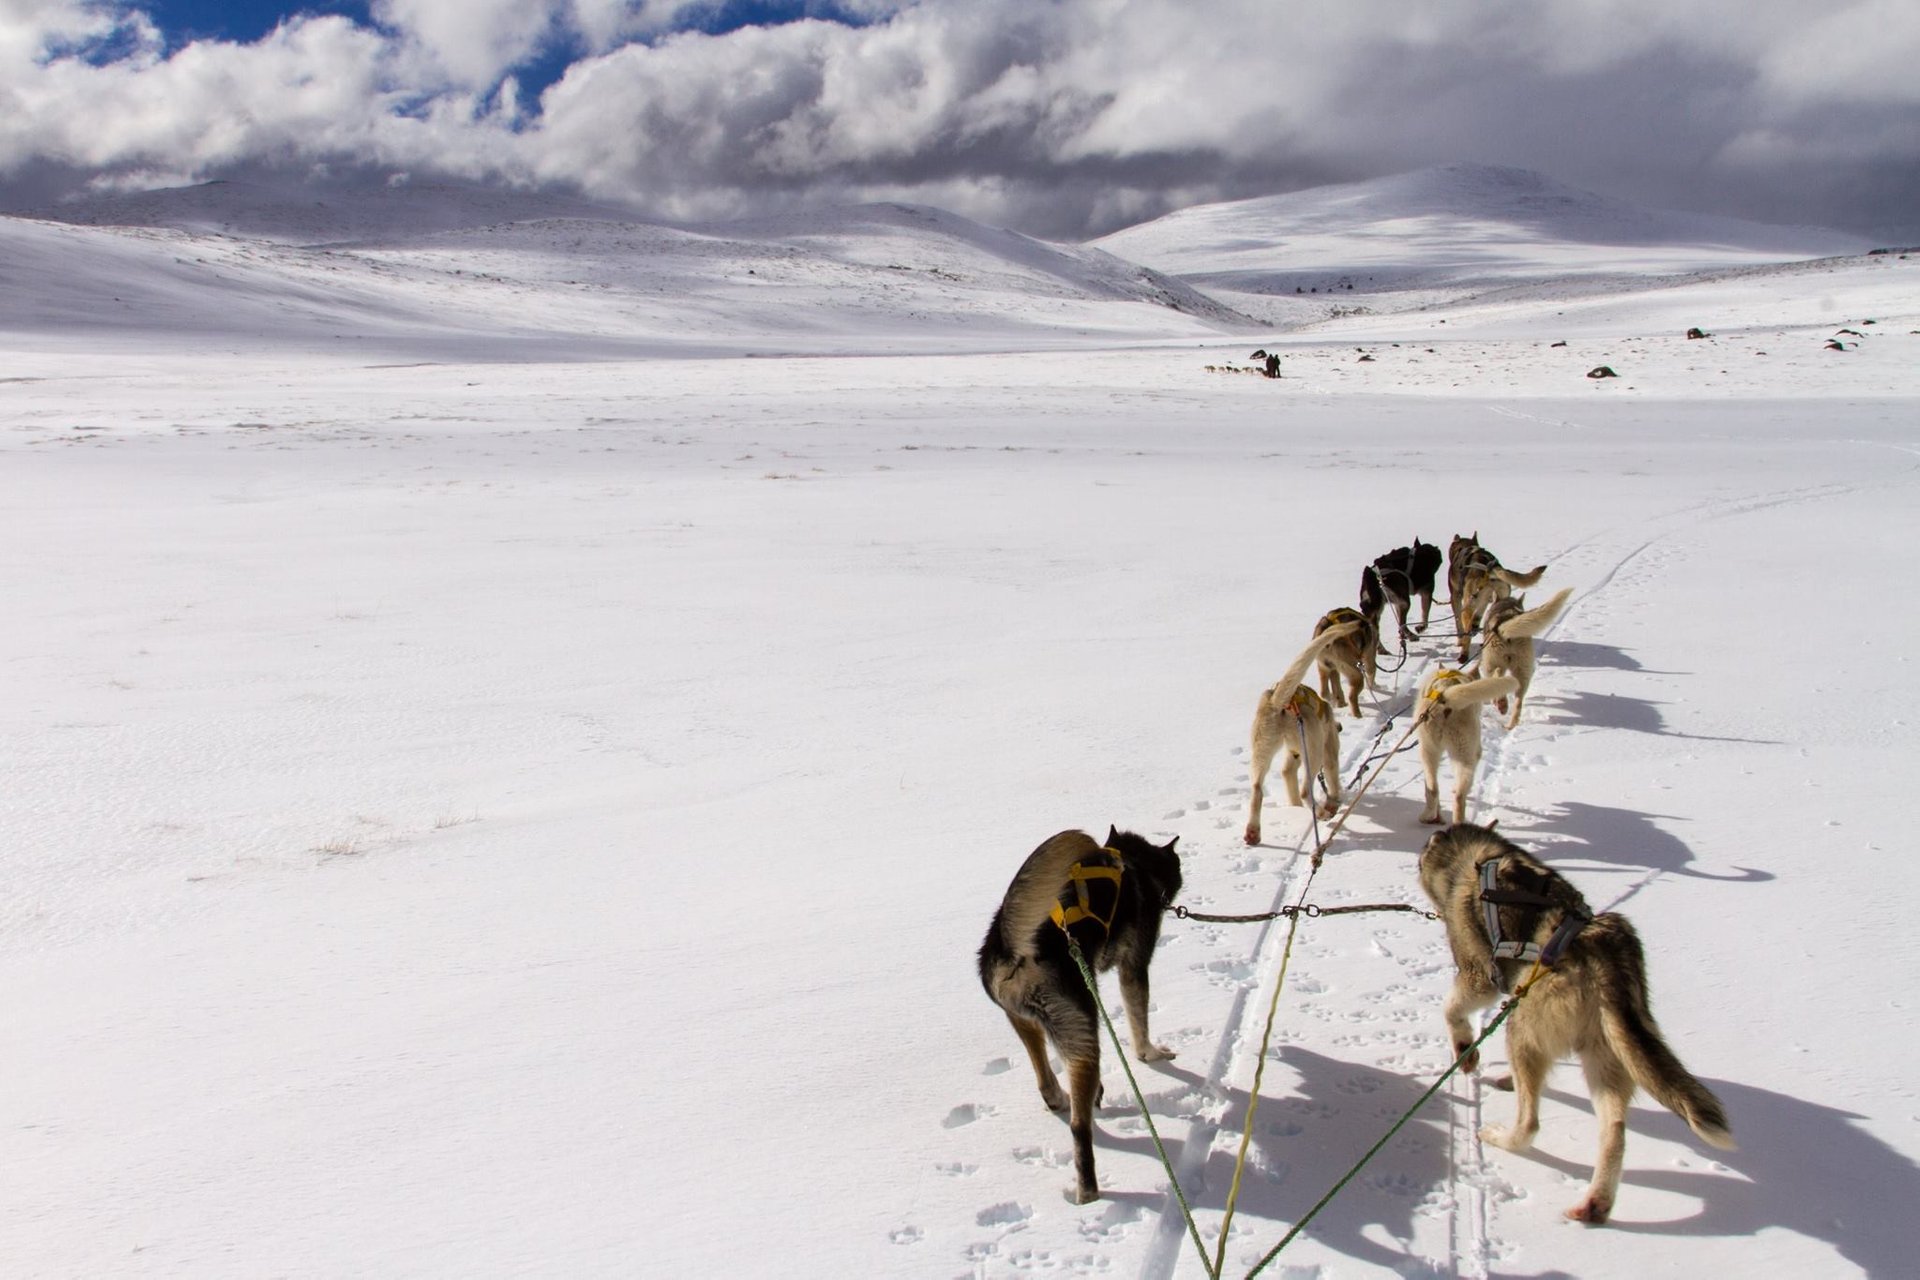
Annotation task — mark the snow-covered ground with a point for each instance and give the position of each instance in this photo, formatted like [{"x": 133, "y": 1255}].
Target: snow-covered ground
[{"x": 470, "y": 815}]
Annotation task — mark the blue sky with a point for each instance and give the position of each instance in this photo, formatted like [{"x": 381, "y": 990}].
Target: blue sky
[
  {"x": 247, "y": 20},
  {"x": 1065, "y": 118}
]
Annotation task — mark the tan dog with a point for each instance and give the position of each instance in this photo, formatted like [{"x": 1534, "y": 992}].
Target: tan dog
[
  {"x": 1475, "y": 579},
  {"x": 1351, "y": 656},
  {"x": 1448, "y": 707},
  {"x": 1508, "y": 629},
  {"x": 1293, "y": 718},
  {"x": 1590, "y": 998}
]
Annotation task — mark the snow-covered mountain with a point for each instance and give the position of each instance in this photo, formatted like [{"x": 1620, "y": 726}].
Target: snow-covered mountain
[
  {"x": 431, "y": 267},
  {"x": 1451, "y": 226}
]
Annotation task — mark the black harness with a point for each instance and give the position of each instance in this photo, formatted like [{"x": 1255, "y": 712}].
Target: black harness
[{"x": 1493, "y": 897}]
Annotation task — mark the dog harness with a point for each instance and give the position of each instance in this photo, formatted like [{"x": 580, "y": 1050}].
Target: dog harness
[
  {"x": 1076, "y": 904},
  {"x": 1493, "y": 897},
  {"x": 1305, "y": 704},
  {"x": 1441, "y": 679},
  {"x": 1337, "y": 616}
]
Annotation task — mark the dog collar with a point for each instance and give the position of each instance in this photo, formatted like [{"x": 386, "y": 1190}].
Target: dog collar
[{"x": 1075, "y": 905}]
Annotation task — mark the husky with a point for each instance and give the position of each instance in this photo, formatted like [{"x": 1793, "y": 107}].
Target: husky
[
  {"x": 1475, "y": 579},
  {"x": 1293, "y": 719},
  {"x": 1377, "y": 590},
  {"x": 1508, "y": 629},
  {"x": 1403, "y": 574},
  {"x": 1352, "y": 656},
  {"x": 1590, "y": 997},
  {"x": 1448, "y": 715},
  {"x": 1109, "y": 898}
]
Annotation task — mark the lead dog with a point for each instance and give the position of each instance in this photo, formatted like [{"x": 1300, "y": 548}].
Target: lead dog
[
  {"x": 1293, "y": 718},
  {"x": 1475, "y": 579},
  {"x": 1110, "y": 899},
  {"x": 1403, "y": 574},
  {"x": 1508, "y": 629},
  {"x": 1590, "y": 998},
  {"x": 1448, "y": 710}
]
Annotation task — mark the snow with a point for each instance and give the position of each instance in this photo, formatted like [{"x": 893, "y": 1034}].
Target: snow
[{"x": 497, "y": 789}]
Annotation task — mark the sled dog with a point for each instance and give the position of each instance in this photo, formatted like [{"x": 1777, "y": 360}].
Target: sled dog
[
  {"x": 1404, "y": 574},
  {"x": 1448, "y": 710},
  {"x": 1502, "y": 909},
  {"x": 1475, "y": 579},
  {"x": 1352, "y": 656},
  {"x": 1110, "y": 899},
  {"x": 1297, "y": 722},
  {"x": 1507, "y": 632}
]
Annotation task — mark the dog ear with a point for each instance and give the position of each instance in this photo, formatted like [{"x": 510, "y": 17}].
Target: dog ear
[
  {"x": 1493, "y": 824},
  {"x": 1113, "y": 835},
  {"x": 1171, "y": 843}
]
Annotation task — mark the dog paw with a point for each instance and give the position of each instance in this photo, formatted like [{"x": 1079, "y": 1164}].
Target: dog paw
[
  {"x": 1431, "y": 819},
  {"x": 1154, "y": 1053},
  {"x": 1593, "y": 1211},
  {"x": 1083, "y": 1195},
  {"x": 1503, "y": 1083},
  {"x": 1329, "y": 808},
  {"x": 1504, "y": 1138},
  {"x": 1469, "y": 1063},
  {"x": 1252, "y": 836}
]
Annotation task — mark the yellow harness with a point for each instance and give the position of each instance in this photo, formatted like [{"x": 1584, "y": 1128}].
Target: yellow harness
[
  {"x": 1337, "y": 616},
  {"x": 1305, "y": 704},
  {"x": 1441, "y": 679},
  {"x": 1075, "y": 906}
]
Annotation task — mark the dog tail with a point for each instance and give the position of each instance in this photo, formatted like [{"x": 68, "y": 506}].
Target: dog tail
[
  {"x": 1522, "y": 580},
  {"x": 1626, "y": 1018},
  {"x": 1471, "y": 693},
  {"x": 1534, "y": 621},
  {"x": 1290, "y": 678}
]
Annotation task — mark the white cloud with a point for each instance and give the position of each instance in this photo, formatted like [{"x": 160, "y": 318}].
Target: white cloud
[{"x": 1059, "y": 116}]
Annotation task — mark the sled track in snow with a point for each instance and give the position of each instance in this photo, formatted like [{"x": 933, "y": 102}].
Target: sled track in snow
[{"x": 1470, "y": 1225}]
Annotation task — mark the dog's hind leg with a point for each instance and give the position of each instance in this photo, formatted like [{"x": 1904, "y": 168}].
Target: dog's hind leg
[
  {"x": 1034, "y": 1037},
  {"x": 1531, "y": 1062},
  {"x": 1083, "y": 1078},
  {"x": 1463, "y": 771},
  {"x": 1472, "y": 991},
  {"x": 1612, "y": 1088},
  {"x": 1265, "y": 742},
  {"x": 1430, "y": 767}
]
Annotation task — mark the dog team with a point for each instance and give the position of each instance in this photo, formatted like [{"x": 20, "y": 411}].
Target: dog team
[{"x": 1507, "y": 915}]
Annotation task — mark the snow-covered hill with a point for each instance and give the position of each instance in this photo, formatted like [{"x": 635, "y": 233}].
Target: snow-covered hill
[
  {"x": 430, "y": 271},
  {"x": 1436, "y": 234}
]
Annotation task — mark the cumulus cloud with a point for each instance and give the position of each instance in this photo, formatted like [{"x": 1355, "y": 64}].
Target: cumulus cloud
[{"x": 1066, "y": 118}]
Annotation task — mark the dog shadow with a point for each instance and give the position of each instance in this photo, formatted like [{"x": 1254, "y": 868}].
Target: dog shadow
[
  {"x": 1305, "y": 1139},
  {"x": 1593, "y": 657},
  {"x": 1802, "y": 1167},
  {"x": 1630, "y": 839},
  {"x": 1621, "y": 711}
]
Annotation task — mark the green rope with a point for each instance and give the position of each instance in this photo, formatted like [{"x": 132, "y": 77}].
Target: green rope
[
  {"x": 1374, "y": 1150},
  {"x": 1253, "y": 1098},
  {"x": 1193, "y": 1228}
]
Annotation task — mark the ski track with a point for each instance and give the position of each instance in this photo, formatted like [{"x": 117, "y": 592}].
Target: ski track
[{"x": 1474, "y": 1247}]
